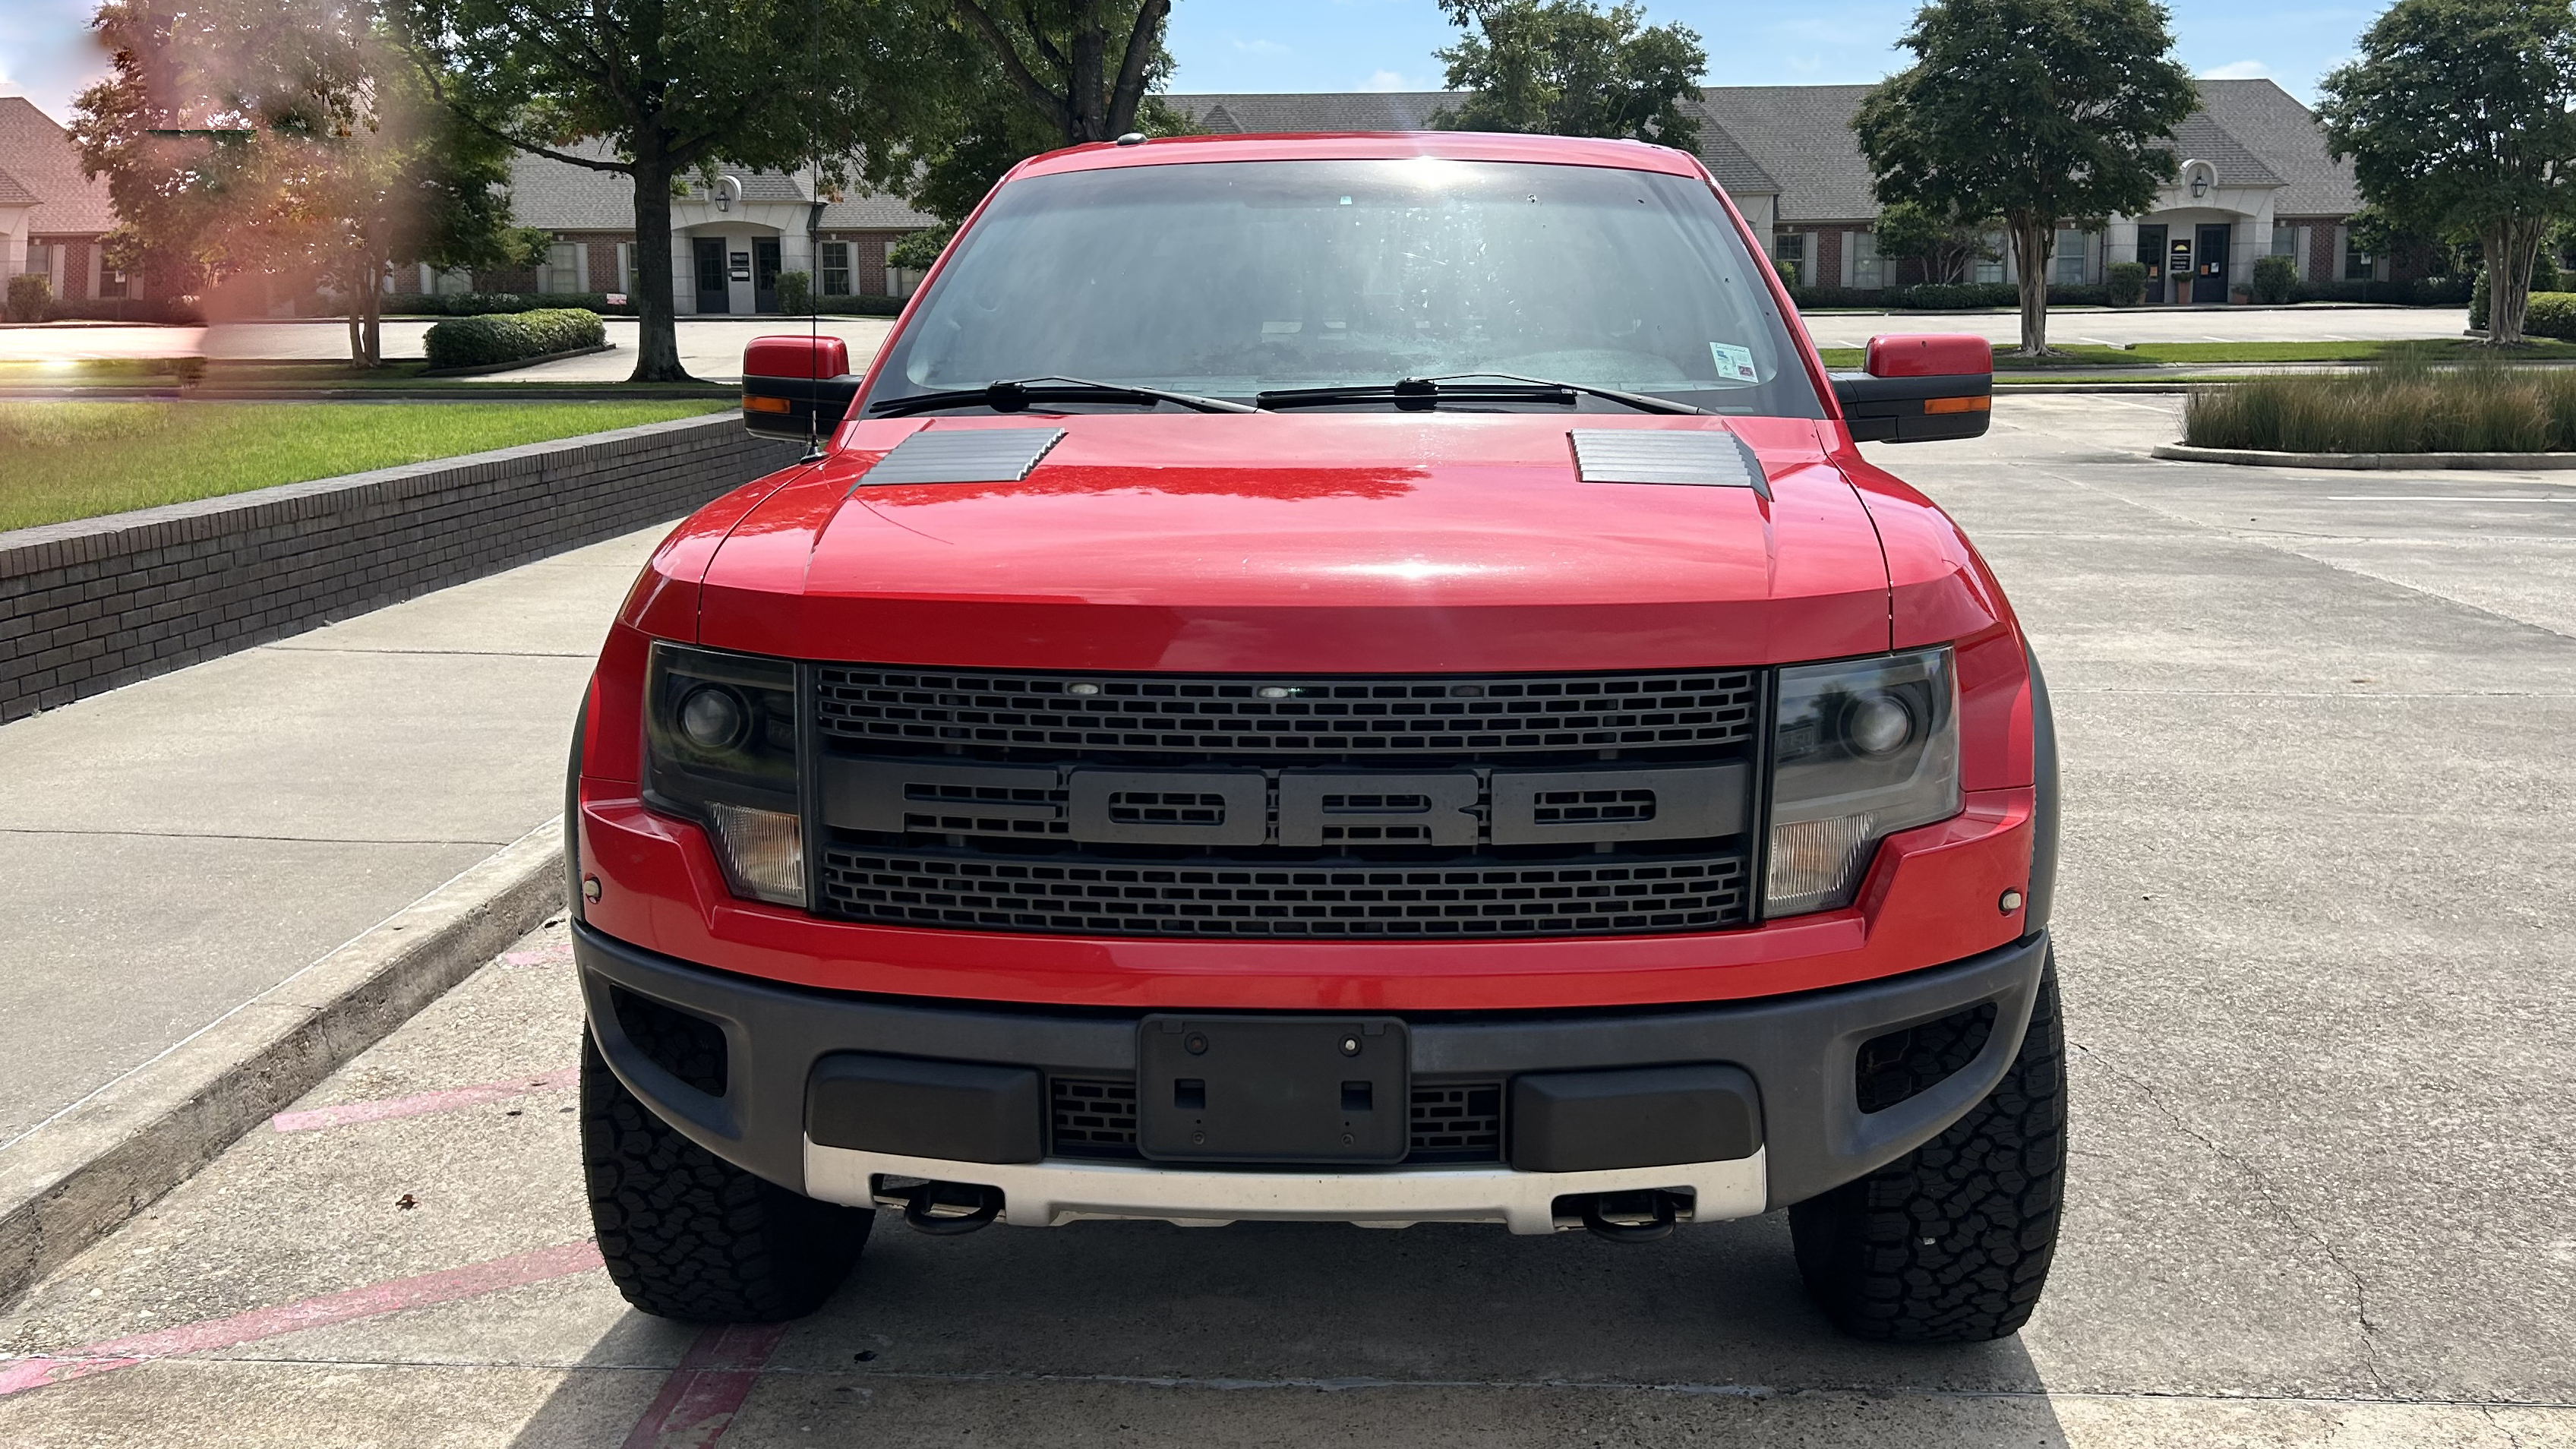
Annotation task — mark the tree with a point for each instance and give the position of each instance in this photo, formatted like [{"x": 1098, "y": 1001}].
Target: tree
[
  {"x": 283, "y": 137},
  {"x": 2459, "y": 117},
  {"x": 1944, "y": 245},
  {"x": 1568, "y": 68},
  {"x": 1055, "y": 55},
  {"x": 2038, "y": 111},
  {"x": 671, "y": 87}
]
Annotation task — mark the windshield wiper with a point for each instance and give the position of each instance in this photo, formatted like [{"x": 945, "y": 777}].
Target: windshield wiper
[
  {"x": 1421, "y": 394},
  {"x": 1011, "y": 395}
]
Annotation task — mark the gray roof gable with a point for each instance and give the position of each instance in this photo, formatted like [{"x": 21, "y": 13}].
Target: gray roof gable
[
  {"x": 44, "y": 163},
  {"x": 2289, "y": 142}
]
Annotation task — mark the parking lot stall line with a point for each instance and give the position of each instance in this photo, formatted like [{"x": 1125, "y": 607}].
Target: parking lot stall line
[
  {"x": 448, "y": 1285},
  {"x": 698, "y": 1401},
  {"x": 449, "y": 1099}
]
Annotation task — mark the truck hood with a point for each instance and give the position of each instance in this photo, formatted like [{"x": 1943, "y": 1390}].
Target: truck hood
[{"x": 1305, "y": 542}]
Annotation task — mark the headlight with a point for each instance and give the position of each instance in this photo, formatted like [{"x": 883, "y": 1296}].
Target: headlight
[
  {"x": 1860, "y": 750},
  {"x": 720, "y": 735}
]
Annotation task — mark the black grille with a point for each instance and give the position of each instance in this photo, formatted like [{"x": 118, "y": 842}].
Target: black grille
[
  {"x": 1904, "y": 1063},
  {"x": 1094, "y": 1118},
  {"x": 1458, "y": 1122},
  {"x": 688, "y": 1046},
  {"x": 1243, "y": 716},
  {"x": 1607, "y": 895}
]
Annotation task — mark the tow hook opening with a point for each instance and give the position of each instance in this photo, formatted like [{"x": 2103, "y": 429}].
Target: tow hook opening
[
  {"x": 941, "y": 1209},
  {"x": 1628, "y": 1217}
]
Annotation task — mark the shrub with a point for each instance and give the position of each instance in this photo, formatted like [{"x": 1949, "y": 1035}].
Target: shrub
[
  {"x": 1788, "y": 271},
  {"x": 2550, "y": 314},
  {"x": 2419, "y": 292},
  {"x": 2275, "y": 278},
  {"x": 512, "y": 337},
  {"x": 2125, "y": 283},
  {"x": 29, "y": 293},
  {"x": 486, "y": 304},
  {"x": 795, "y": 292},
  {"x": 2401, "y": 406},
  {"x": 178, "y": 310}
]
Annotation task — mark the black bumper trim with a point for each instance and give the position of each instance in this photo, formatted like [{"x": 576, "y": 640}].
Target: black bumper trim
[{"x": 1799, "y": 1050}]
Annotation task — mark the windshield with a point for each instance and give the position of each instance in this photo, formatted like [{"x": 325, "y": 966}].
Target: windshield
[{"x": 1235, "y": 278}]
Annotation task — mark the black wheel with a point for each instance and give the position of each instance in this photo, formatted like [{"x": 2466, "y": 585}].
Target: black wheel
[
  {"x": 1951, "y": 1243},
  {"x": 688, "y": 1235}
]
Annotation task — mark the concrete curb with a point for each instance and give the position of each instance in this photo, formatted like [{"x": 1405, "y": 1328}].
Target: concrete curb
[
  {"x": 2414, "y": 462},
  {"x": 76, "y": 1177}
]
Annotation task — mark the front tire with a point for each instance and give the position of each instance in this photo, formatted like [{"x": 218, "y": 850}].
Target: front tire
[
  {"x": 1952, "y": 1242},
  {"x": 688, "y": 1235}
]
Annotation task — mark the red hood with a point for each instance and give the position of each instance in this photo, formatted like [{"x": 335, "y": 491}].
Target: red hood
[{"x": 1306, "y": 542}]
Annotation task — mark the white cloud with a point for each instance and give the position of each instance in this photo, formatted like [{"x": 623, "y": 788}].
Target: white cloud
[
  {"x": 1384, "y": 80},
  {"x": 2238, "y": 70},
  {"x": 1260, "y": 47}
]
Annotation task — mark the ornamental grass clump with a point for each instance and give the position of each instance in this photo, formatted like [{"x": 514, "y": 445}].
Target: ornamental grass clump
[{"x": 2401, "y": 406}]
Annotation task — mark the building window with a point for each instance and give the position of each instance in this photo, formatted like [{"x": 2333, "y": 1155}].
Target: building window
[
  {"x": 111, "y": 282},
  {"x": 561, "y": 270},
  {"x": 2066, "y": 261},
  {"x": 2285, "y": 240},
  {"x": 1988, "y": 268},
  {"x": 836, "y": 269},
  {"x": 626, "y": 269},
  {"x": 2356, "y": 262},
  {"x": 1863, "y": 251}
]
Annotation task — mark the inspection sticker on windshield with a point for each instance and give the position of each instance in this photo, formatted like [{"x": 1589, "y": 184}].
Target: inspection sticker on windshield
[{"x": 1734, "y": 364}]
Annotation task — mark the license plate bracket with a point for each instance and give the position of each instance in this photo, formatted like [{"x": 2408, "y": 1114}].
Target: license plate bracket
[{"x": 1273, "y": 1089}]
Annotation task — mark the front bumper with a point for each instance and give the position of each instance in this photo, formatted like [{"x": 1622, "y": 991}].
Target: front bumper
[{"x": 1799, "y": 1053}]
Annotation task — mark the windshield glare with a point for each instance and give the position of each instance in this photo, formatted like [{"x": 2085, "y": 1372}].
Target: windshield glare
[{"x": 1235, "y": 278}]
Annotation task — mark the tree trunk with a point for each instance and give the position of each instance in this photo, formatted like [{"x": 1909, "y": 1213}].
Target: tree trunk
[
  {"x": 1086, "y": 103},
  {"x": 2511, "y": 246},
  {"x": 2032, "y": 239},
  {"x": 657, "y": 342}
]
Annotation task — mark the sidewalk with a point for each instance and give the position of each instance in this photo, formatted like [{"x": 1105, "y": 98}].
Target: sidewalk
[{"x": 175, "y": 847}]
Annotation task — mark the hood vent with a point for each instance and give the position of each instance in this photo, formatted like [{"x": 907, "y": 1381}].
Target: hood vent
[
  {"x": 965, "y": 455},
  {"x": 1714, "y": 459}
]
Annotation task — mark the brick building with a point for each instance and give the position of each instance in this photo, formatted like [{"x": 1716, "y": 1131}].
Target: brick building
[{"x": 51, "y": 216}]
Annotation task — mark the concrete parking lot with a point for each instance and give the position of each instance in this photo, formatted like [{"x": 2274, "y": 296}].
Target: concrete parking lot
[{"x": 2312, "y": 936}]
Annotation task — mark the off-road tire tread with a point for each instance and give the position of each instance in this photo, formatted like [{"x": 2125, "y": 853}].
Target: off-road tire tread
[
  {"x": 1952, "y": 1243},
  {"x": 690, "y": 1236}
]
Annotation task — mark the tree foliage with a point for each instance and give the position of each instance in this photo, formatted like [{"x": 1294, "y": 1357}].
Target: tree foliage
[
  {"x": 2459, "y": 117},
  {"x": 1945, "y": 245},
  {"x": 2038, "y": 111},
  {"x": 1570, "y": 68},
  {"x": 994, "y": 86},
  {"x": 284, "y": 137},
  {"x": 672, "y": 87}
]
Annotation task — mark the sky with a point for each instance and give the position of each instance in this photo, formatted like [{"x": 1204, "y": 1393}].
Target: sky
[{"x": 1334, "y": 45}]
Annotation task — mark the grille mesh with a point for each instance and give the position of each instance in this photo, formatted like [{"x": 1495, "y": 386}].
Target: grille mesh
[
  {"x": 1455, "y": 1122},
  {"x": 1230, "y": 715},
  {"x": 1612, "y": 897}
]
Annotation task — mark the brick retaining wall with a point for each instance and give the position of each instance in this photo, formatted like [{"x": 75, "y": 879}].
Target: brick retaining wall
[{"x": 90, "y": 605}]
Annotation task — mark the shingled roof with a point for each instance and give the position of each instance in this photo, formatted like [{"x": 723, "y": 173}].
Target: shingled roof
[
  {"x": 1796, "y": 141},
  {"x": 43, "y": 165},
  {"x": 559, "y": 196}
]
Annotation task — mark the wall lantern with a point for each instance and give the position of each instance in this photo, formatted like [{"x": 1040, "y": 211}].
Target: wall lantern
[
  {"x": 728, "y": 191},
  {"x": 2200, "y": 186}
]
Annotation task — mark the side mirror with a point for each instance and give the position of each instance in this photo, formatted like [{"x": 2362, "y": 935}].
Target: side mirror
[
  {"x": 796, "y": 387},
  {"x": 1920, "y": 388}
]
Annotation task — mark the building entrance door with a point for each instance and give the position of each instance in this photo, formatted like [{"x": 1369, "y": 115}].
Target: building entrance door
[
  {"x": 2151, "y": 255},
  {"x": 764, "y": 274},
  {"x": 708, "y": 252},
  {"x": 2209, "y": 277}
]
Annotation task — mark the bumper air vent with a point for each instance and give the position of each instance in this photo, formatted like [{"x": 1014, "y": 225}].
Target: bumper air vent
[
  {"x": 689, "y": 1047},
  {"x": 1457, "y": 1122},
  {"x": 1904, "y": 1063}
]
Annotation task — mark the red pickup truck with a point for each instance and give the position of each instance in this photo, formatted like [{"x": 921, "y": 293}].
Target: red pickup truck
[{"x": 1356, "y": 679}]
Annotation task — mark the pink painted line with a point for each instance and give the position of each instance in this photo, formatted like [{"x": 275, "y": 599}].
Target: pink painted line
[
  {"x": 448, "y": 1100},
  {"x": 445, "y": 1286},
  {"x": 542, "y": 956},
  {"x": 698, "y": 1401}
]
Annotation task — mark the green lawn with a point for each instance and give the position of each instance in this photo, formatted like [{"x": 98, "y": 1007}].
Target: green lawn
[
  {"x": 2445, "y": 349},
  {"x": 64, "y": 460}
]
